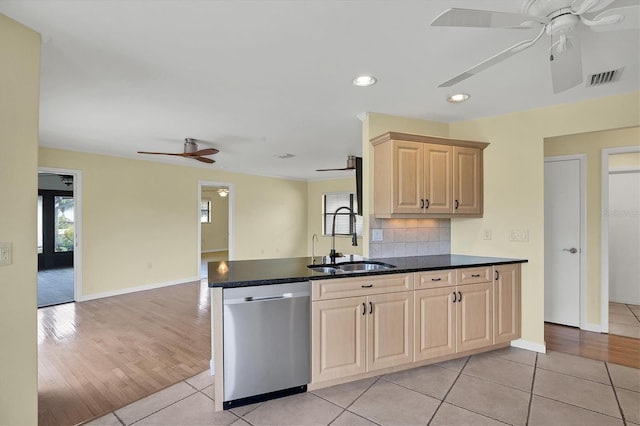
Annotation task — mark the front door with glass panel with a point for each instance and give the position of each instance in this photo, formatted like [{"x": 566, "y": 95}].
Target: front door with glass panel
[{"x": 56, "y": 235}]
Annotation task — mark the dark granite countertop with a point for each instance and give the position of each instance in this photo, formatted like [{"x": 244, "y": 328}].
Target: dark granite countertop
[{"x": 245, "y": 273}]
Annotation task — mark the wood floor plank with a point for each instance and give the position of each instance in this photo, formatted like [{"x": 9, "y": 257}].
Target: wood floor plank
[
  {"x": 100, "y": 355},
  {"x": 605, "y": 347}
]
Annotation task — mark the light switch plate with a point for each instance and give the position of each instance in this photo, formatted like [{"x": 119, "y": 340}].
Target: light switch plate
[
  {"x": 6, "y": 254},
  {"x": 376, "y": 235}
]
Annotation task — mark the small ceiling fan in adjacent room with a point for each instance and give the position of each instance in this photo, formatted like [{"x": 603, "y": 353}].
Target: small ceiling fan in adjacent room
[
  {"x": 190, "y": 151},
  {"x": 557, "y": 19},
  {"x": 352, "y": 161}
]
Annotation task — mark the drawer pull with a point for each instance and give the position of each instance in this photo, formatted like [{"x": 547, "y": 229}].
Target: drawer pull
[
  {"x": 436, "y": 279},
  {"x": 367, "y": 286},
  {"x": 475, "y": 275}
]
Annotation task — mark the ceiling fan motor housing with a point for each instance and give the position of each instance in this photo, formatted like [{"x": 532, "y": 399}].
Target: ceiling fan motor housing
[
  {"x": 562, "y": 24},
  {"x": 190, "y": 146}
]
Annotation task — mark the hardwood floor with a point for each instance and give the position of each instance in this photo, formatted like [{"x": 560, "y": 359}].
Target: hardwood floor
[
  {"x": 99, "y": 355},
  {"x": 605, "y": 347}
]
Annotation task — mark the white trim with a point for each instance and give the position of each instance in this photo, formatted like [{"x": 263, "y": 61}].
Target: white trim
[
  {"x": 621, "y": 170},
  {"x": 77, "y": 226},
  {"x": 214, "y": 251},
  {"x": 136, "y": 289},
  {"x": 582, "y": 159},
  {"x": 530, "y": 346},
  {"x": 232, "y": 198},
  {"x": 604, "y": 231}
]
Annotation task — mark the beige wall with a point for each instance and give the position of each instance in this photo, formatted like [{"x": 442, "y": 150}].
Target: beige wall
[
  {"x": 315, "y": 191},
  {"x": 19, "y": 98},
  {"x": 628, "y": 160},
  {"x": 144, "y": 233},
  {"x": 214, "y": 236},
  {"x": 514, "y": 186},
  {"x": 592, "y": 144},
  {"x": 513, "y": 181}
]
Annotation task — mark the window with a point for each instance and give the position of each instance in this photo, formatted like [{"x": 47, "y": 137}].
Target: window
[
  {"x": 344, "y": 225},
  {"x": 205, "y": 211},
  {"x": 64, "y": 223}
]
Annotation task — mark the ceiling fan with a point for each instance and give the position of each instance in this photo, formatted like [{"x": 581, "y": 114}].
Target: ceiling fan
[
  {"x": 190, "y": 151},
  {"x": 351, "y": 165},
  {"x": 558, "y": 19}
]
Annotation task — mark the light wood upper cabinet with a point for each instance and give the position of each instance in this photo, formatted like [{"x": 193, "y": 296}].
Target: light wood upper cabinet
[
  {"x": 506, "y": 302},
  {"x": 423, "y": 175}
]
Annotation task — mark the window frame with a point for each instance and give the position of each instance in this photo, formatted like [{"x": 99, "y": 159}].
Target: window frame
[
  {"x": 206, "y": 209},
  {"x": 352, "y": 205}
]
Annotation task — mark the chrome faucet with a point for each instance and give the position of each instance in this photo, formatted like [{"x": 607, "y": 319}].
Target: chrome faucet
[
  {"x": 314, "y": 240},
  {"x": 354, "y": 237}
]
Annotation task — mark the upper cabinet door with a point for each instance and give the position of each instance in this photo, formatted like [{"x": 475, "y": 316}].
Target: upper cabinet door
[
  {"x": 438, "y": 163},
  {"x": 467, "y": 180},
  {"x": 408, "y": 191}
]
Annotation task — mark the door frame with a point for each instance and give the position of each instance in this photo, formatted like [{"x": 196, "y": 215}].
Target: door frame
[
  {"x": 582, "y": 160},
  {"x": 77, "y": 227},
  {"x": 604, "y": 232},
  {"x": 205, "y": 183}
]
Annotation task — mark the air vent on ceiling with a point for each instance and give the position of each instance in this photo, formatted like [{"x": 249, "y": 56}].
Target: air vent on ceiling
[{"x": 604, "y": 77}]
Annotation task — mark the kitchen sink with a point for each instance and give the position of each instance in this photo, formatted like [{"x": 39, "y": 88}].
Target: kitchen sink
[
  {"x": 324, "y": 269},
  {"x": 361, "y": 266}
]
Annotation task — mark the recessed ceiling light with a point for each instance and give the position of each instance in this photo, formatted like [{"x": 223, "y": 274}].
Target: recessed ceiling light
[
  {"x": 285, "y": 156},
  {"x": 458, "y": 97},
  {"x": 364, "y": 80}
]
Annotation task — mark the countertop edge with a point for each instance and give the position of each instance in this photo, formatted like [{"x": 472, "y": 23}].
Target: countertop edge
[{"x": 285, "y": 280}]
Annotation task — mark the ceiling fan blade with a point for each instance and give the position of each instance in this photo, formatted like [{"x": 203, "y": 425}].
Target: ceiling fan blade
[
  {"x": 619, "y": 18},
  {"x": 157, "y": 153},
  {"x": 485, "y": 19},
  {"x": 203, "y": 159},
  {"x": 335, "y": 170},
  {"x": 566, "y": 68},
  {"x": 589, "y": 6},
  {"x": 206, "y": 151},
  {"x": 499, "y": 57}
]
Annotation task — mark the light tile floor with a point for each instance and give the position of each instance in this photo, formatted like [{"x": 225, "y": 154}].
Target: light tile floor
[
  {"x": 506, "y": 386},
  {"x": 624, "y": 319}
]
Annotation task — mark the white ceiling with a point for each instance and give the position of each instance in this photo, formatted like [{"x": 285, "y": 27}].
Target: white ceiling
[{"x": 259, "y": 79}]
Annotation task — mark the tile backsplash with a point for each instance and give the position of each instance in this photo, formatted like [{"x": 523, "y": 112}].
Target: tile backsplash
[{"x": 409, "y": 237}]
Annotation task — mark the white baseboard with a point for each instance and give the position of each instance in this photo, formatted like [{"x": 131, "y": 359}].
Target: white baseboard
[
  {"x": 530, "y": 346},
  {"x": 128, "y": 290},
  {"x": 214, "y": 250},
  {"x": 596, "y": 328}
]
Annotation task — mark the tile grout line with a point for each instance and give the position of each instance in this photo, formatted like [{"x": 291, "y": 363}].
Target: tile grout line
[
  {"x": 352, "y": 402},
  {"x": 119, "y": 419},
  {"x": 632, "y": 313},
  {"x": 166, "y": 406},
  {"x": 606, "y": 366},
  {"x": 533, "y": 382},
  {"x": 448, "y": 391}
]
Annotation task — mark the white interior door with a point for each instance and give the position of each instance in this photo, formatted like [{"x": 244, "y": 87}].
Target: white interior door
[
  {"x": 562, "y": 229},
  {"x": 624, "y": 237}
]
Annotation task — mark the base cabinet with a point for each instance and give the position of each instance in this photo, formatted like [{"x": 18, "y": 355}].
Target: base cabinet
[
  {"x": 453, "y": 319},
  {"x": 359, "y": 334},
  {"x": 506, "y": 302}
]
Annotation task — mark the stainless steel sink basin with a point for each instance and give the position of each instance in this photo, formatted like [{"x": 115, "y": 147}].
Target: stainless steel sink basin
[
  {"x": 324, "y": 269},
  {"x": 363, "y": 266}
]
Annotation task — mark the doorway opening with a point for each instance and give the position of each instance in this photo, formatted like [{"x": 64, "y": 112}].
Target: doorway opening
[
  {"x": 58, "y": 236},
  {"x": 215, "y": 239},
  {"x": 620, "y": 241}
]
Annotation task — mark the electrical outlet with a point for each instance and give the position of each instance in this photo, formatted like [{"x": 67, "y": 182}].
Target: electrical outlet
[
  {"x": 519, "y": 235},
  {"x": 376, "y": 235},
  {"x": 6, "y": 254},
  {"x": 487, "y": 234}
]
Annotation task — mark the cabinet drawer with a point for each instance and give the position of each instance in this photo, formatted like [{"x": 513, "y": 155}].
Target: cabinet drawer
[
  {"x": 474, "y": 275},
  {"x": 434, "y": 279},
  {"x": 360, "y": 286}
]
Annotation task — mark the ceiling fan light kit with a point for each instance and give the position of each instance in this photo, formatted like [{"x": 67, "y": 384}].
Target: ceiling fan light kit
[
  {"x": 458, "y": 97},
  {"x": 558, "y": 19}
]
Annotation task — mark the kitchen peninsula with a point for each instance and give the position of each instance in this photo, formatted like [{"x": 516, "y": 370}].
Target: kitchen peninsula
[{"x": 395, "y": 314}]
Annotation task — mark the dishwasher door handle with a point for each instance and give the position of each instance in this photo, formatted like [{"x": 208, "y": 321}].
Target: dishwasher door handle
[{"x": 255, "y": 299}]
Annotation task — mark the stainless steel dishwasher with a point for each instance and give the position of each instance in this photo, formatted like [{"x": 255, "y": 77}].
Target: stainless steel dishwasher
[{"x": 266, "y": 342}]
